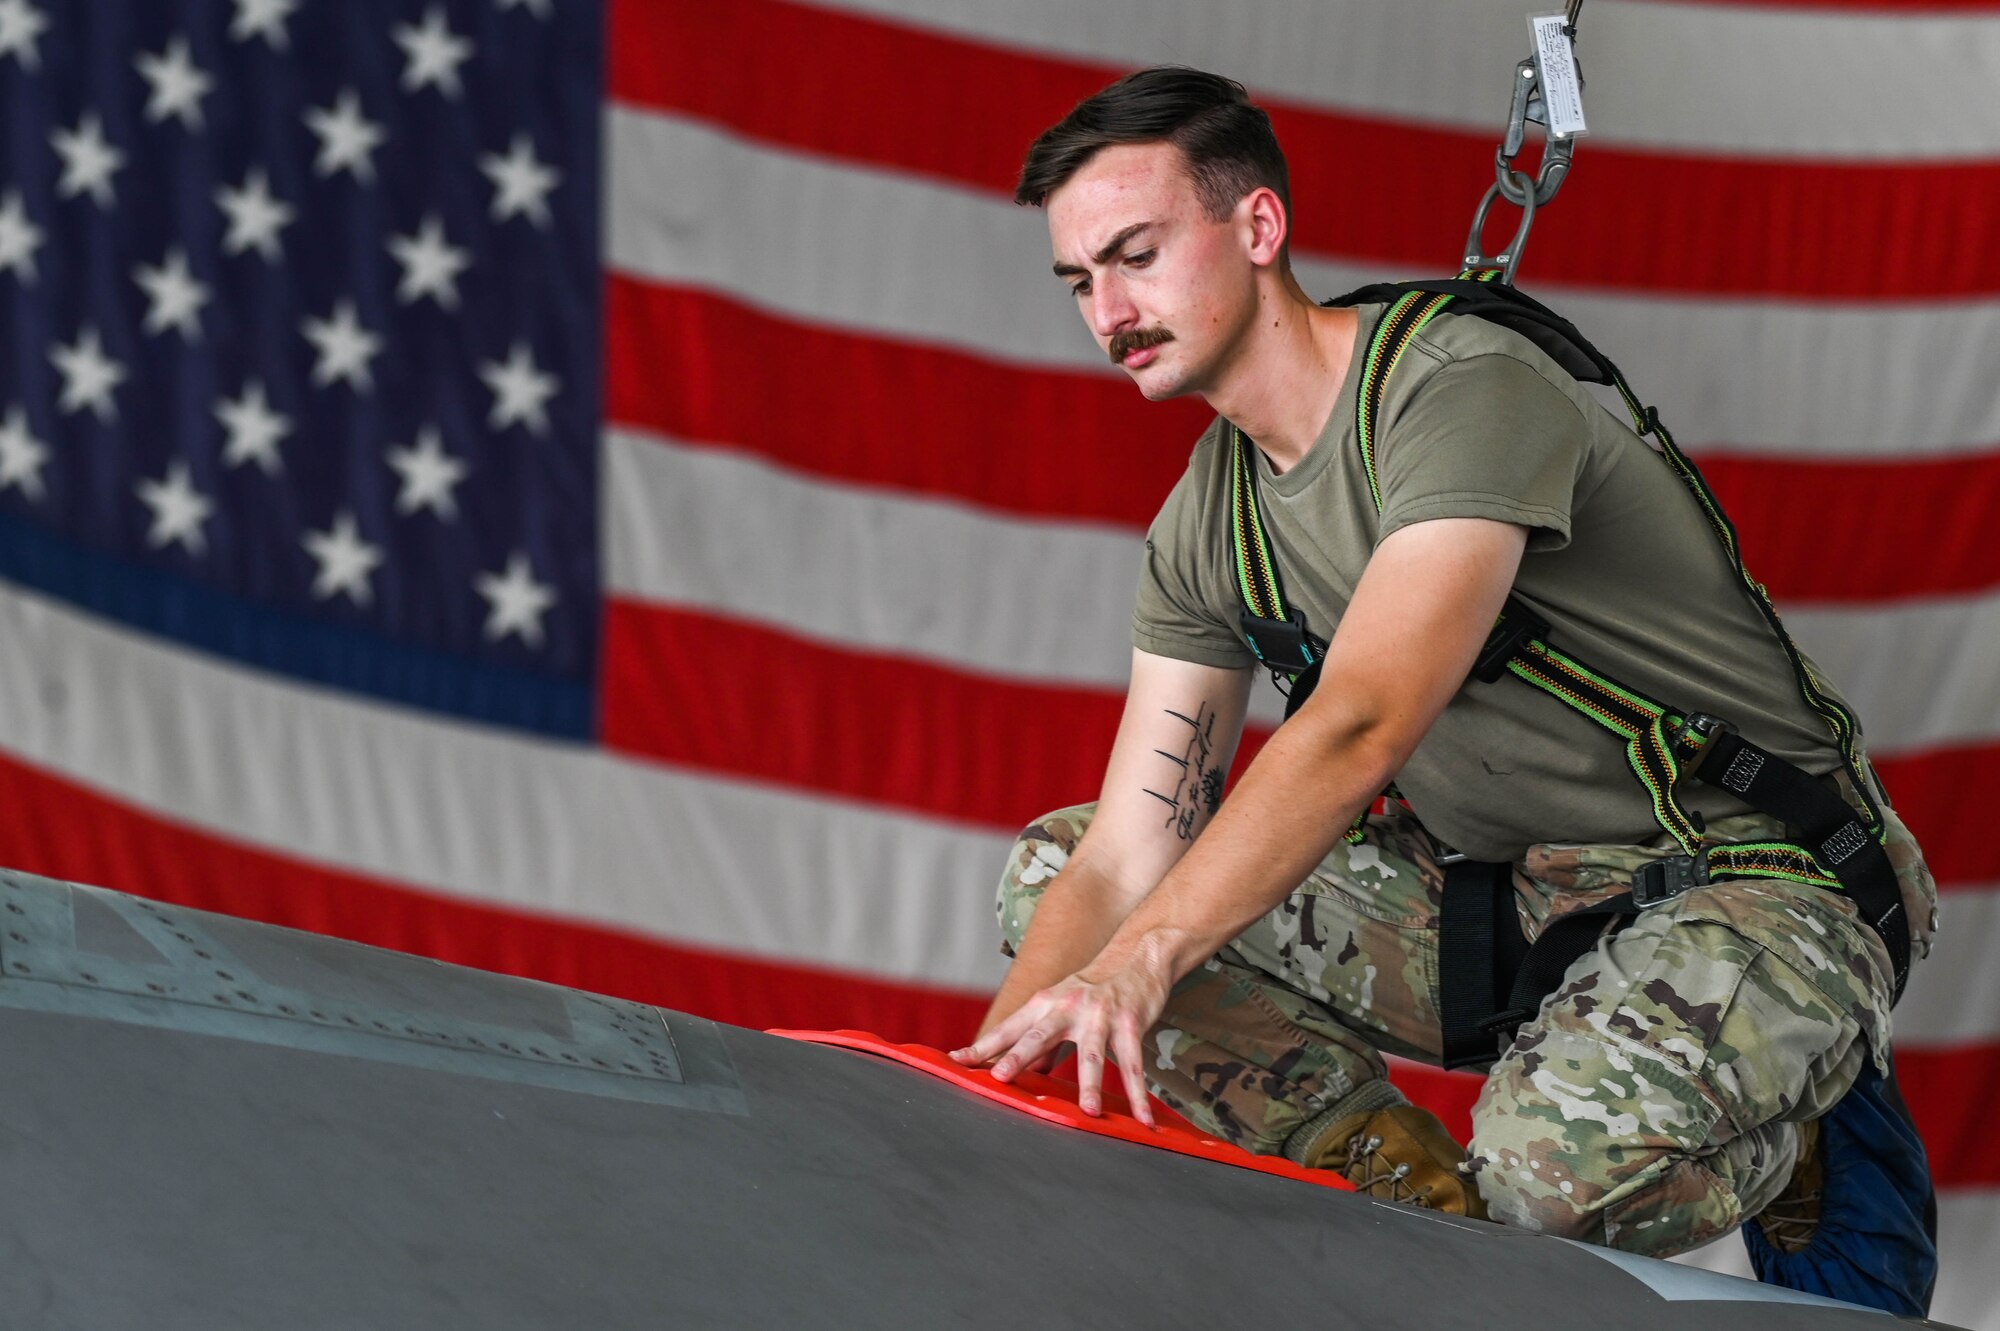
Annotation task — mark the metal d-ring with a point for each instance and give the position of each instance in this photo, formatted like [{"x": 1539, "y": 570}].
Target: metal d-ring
[{"x": 1510, "y": 258}]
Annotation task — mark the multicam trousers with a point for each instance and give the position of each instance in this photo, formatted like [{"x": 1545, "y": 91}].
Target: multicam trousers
[{"x": 1651, "y": 1106}]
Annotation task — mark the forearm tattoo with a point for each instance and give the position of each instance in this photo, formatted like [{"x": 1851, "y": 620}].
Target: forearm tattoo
[{"x": 1200, "y": 784}]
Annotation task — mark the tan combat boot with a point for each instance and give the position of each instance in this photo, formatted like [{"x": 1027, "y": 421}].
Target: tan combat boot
[
  {"x": 1791, "y": 1219},
  {"x": 1388, "y": 1148}
]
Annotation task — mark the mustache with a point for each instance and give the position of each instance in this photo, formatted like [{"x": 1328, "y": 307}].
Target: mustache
[{"x": 1136, "y": 339}]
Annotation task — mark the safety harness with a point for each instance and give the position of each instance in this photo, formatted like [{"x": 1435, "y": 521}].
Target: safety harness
[{"x": 1491, "y": 980}]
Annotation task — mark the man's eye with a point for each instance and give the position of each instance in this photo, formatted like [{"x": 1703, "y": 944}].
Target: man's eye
[
  {"x": 1141, "y": 259},
  {"x": 1080, "y": 289}
]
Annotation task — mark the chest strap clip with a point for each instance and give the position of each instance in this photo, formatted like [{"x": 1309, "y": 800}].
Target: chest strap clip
[
  {"x": 1666, "y": 878},
  {"x": 1281, "y": 644},
  {"x": 1516, "y": 628},
  {"x": 1694, "y": 739}
]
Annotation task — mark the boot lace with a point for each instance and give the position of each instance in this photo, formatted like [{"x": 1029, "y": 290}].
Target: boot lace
[
  {"x": 1374, "y": 1176},
  {"x": 1789, "y": 1222}
]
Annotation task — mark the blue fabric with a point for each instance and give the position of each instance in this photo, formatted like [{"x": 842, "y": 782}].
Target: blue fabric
[
  {"x": 243, "y": 583},
  {"x": 1876, "y": 1244}
]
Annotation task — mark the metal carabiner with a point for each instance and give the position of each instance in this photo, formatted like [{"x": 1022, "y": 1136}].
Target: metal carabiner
[
  {"x": 1556, "y": 148},
  {"x": 1520, "y": 109},
  {"x": 1510, "y": 258},
  {"x": 1524, "y": 191}
]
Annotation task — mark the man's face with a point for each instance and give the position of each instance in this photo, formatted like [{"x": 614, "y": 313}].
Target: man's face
[{"x": 1166, "y": 290}]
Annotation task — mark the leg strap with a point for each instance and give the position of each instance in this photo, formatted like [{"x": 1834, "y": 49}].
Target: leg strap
[
  {"x": 1490, "y": 981},
  {"x": 1831, "y": 834},
  {"x": 1480, "y": 952}
]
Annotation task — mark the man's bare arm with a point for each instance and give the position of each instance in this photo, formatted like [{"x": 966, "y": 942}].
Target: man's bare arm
[
  {"x": 1415, "y": 626},
  {"x": 1162, "y": 785}
]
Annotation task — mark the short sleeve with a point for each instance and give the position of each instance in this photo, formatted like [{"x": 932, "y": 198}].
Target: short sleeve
[
  {"x": 1485, "y": 437},
  {"x": 1177, "y": 612}
]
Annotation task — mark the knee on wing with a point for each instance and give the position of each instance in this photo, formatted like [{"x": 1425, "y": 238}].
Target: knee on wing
[
  {"x": 1532, "y": 1176},
  {"x": 1570, "y": 1135}
]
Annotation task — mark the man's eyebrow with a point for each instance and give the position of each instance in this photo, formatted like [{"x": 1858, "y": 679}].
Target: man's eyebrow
[{"x": 1111, "y": 247}]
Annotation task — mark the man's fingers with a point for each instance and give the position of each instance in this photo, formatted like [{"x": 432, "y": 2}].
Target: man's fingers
[
  {"x": 1131, "y": 1065},
  {"x": 1090, "y": 1067},
  {"x": 1050, "y": 1061},
  {"x": 998, "y": 1040},
  {"x": 1041, "y": 1034},
  {"x": 1035, "y": 1035}
]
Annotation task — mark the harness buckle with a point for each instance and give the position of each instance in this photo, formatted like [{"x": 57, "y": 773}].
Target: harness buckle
[
  {"x": 1281, "y": 644},
  {"x": 1516, "y": 627},
  {"x": 1666, "y": 878},
  {"x": 1694, "y": 739}
]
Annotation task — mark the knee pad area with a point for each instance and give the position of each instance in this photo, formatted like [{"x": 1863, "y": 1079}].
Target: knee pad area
[{"x": 1595, "y": 1141}]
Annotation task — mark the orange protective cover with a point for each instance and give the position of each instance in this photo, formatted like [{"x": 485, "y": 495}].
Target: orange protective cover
[{"x": 1054, "y": 1100}]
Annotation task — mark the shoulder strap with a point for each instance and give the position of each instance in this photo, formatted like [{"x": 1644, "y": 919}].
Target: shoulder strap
[
  {"x": 1274, "y": 631},
  {"x": 1256, "y": 571},
  {"x": 1414, "y": 304},
  {"x": 1497, "y": 302},
  {"x": 1662, "y": 745}
]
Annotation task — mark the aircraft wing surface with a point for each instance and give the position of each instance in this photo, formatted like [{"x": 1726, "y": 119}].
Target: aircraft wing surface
[{"x": 210, "y": 1123}]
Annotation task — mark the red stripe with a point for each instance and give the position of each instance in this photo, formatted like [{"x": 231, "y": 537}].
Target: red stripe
[
  {"x": 1042, "y": 443},
  {"x": 1449, "y": 1095},
  {"x": 893, "y": 414},
  {"x": 1863, "y": 531},
  {"x": 1946, "y": 796},
  {"x": 1951, "y": 1093},
  {"x": 831, "y": 721},
  {"x": 62, "y": 830},
  {"x": 1374, "y": 189}
]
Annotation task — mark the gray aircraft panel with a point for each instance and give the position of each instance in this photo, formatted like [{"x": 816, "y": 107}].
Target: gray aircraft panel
[{"x": 173, "y": 1162}]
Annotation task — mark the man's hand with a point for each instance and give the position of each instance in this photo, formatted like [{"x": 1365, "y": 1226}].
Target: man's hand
[
  {"x": 1100, "y": 1009},
  {"x": 1415, "y": 626}
]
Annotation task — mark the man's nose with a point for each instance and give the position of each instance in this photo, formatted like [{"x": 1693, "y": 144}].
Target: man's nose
[{"x": 1111, "y": 307}]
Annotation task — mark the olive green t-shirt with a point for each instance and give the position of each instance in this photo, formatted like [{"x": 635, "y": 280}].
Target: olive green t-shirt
[{"x": 1478, "y": 422}]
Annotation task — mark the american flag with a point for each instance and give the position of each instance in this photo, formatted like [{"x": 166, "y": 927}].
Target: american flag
[
  {"x": 303, "y": 340},
  {"x": 610, "y": 492}
]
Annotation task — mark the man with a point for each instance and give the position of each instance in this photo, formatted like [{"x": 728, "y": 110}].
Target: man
[{"x": 1246, "y": 960}]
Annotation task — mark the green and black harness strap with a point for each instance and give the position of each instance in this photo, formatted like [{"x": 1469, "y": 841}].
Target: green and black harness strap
[
  {"x": 1277, "y": 634},
  {"x": 1414, "y": 304},
  {"x": 1399, "y": 327},
  {"x": 1485, "y": 992}
]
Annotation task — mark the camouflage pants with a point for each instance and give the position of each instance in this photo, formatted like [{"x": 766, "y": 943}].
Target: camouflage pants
[{"x": 1654, "y": 1102}]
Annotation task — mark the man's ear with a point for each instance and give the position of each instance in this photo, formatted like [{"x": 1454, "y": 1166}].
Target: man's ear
[{"x": 1264, "y": 225}]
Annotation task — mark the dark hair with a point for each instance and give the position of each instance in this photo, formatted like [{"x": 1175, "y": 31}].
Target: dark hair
[{"x": 1227, "y": 142}]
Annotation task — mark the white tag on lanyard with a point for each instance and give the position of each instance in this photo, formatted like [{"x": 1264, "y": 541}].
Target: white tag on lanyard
[{"x": 1561, "y": 85}]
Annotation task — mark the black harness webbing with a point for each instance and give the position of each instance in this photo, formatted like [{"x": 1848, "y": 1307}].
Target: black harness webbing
[
  {"x": 1480, "y": 951},
  {"x": 1490, "y": 979}
]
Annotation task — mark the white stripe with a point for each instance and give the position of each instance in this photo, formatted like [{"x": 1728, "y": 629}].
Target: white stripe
[
  {"x": 1954, "y": 995},
  {"x": 1805, "y": 83},
  {"x": 691, "y": 857},
  {"x": 1920, "y": 674},
  {"x": 702, "y": 527},
  {"x": 1968, "y": 1291},
  {"x": 1045, "y": 601},
  {"x": 1052, "y": 601},
  {"x": 885, "y": 254}
]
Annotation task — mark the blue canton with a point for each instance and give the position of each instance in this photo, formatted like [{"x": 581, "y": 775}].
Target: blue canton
[{"x": 299, "y": 337}]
